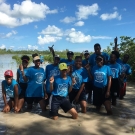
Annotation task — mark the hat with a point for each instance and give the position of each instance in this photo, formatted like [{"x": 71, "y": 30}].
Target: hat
[
  {"x": 36, "y": 58},
  {"x": 70, "y": 52},
  {"x": 86, "y": 52},
  {"x": 63, "y": 66},
  {"x": 8, "y": 73},
  {"x": 57, "y": 56}
]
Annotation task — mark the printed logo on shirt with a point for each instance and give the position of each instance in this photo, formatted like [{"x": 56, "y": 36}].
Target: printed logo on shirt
[
  {"x": 114, "y": 70},
  {"x": 99, "y": 76},
  {"x": 54, "y": 72},
  {"x": 9, "y": 93},
  {"x": 62, "y": 89},
  {"x": 77, "y": 78},
  {"x": 123, "y": 68},
  {"x": 39, "y": 78}
]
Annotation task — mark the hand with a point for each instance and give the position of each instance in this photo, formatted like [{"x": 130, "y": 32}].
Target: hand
[
  {"x": 87, "y": 67},
  {"x": 51, "y": 48},
  {"x": 16, "y": 110},
  {"x": 21, "y": 67},
  {"x": 107, "y": 94},
  {"x": 73, "y": 80},
  {"x": 6, "y": 109},
  {"x": 46, "y": 96},
  {"x": 115, "y": 40},
  {"x": 52, "y": 79}
]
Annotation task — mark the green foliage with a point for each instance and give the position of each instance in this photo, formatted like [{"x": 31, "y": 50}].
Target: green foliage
[{"x": 108, "y": 50}]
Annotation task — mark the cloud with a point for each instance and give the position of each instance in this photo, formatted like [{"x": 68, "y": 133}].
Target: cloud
[
  {"x": 34, "y": 47},
  {"x": 46, "y": 39},
  {"x": 11, "y": 47},
  {"x": 52, "y": 30},
  {"x": 2, "y": 46},
  {"x": 23, "y": 13},
  {"x": 68, "y": 19},
  {"x": 85, "y": 11},
  {"x": 79, "y": 23},
  {"x": 125, "y": 9},
  {"x": 115, "y": 8},
  {"x": 74, "y": 36},
  {"x": 8, "y": 35},
  {"x": 114, "y": 15},
  {"x": 101, "y": 37},
  {"x": 63, "y": 9},
  {"x": 35, "y": 26}
]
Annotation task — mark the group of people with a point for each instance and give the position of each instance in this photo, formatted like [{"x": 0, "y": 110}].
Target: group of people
[{"x": 67, "y": 81}]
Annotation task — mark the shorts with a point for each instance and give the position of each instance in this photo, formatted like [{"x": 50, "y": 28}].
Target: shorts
[
  {"x": 23, "y": 87},
  {"x": 122, "y": 91},
  {"x": 21, "y": 95},
  {"x": 115, "y": 87},
  {"x": 30, "y": 100},
  {"x": 99, "y": 96},
  {"x": 56, "y": 102},
  {"x": 89, "y": 86},
  {"x": 73, "y": 94}
]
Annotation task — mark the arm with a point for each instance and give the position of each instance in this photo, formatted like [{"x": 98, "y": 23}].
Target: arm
[
  {"x": 16, "y": 95},
  {"x": 115, "y": 47},
  {"x": 24, "y": 77},
  {"x": 4, "y": 95},
  {"x": 108, "y": 87},
  {"x": 51, "y": 83},
  {"x": 52, "y": 50},
  {"x": 46, "y": 96},
  {"x": 18, "y": 76},
  {"x": 71, "y": 86}
]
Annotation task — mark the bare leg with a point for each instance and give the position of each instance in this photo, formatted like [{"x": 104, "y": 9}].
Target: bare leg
[
  {"x": 74, "y": 113},
  {"x": 8, "y": 107},
  {"x": 20, "y": 104},
  {"x": 55, "y": 117},
  {"x": 83, "y": 106},
  {"x": 42, "y": 105},
  {"x": 107, "y": 105}
]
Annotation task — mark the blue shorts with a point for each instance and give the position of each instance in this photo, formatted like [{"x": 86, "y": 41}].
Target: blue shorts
[{"x": 56, "y": 102}]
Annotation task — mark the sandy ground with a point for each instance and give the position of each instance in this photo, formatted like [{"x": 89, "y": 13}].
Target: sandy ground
[{"x": 92, "y": 123}]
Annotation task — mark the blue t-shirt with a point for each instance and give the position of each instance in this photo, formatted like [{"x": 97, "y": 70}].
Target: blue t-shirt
[
  {"x": 35, "y": 85},
  {"x": 51, "y": 70},
  {"x": 116, "y": 70},
  {"x": 21, "y": 77},
  {"x": 92, "y": 58},
  {"x": 119, "y": 60},
  {"x": 125, "y": 68},
  {"x": 9, "y": 89},
  {"x": 100, "y": 75},
  {"x": 81, "y": 76},
  {"x": 61, "y": 86},
  {"x": 67, "y": 61}
]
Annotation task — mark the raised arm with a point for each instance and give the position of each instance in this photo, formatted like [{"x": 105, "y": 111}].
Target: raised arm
[
  {"x": 52, "y": 50},
  {"x": 24, "y": 77}
]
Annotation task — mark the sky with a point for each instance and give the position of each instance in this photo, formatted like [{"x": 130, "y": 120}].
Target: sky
[{"x": 75, "y": 25}]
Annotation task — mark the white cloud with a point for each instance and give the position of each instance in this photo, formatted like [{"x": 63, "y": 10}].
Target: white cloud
[
  {"x": 68, "y": 19},
  {"x": 46, "y": 39},
  {"x": 74, "y": 36},
  {"x": 79, "y": 23},
  {"x": 63, "y": 9},
  {"x": 85, "y": 11},
  {"x": 34, "y": 47},
  {"x": 101, "y": 37},
  {"x": 2, "y": 46},
  {"x": 8, "y": 35},
  {"x": 115, "y": 8},
  {"x": 52, "y": 30},
  {"x": 23, "y": 13},
  {"x": 35, "y": 26},
  {"x": 125, "y": 9},
  {"x": 107, "y": 16}
]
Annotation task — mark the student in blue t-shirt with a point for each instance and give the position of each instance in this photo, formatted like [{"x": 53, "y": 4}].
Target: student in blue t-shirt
[
  {"x": 88, "y": 85},
  {"x": 35, "y": 91},
  {"x": 116, "y": 72},
  {"x": 25, "y": 60},
  {"x": 11, "y": 88},
  {"x": 78, "y": 94},
  {"x": 125, "y": 71},
  {"x": 102, "y": 83},
  {"x": 60, "y": 86},
  {"x": 97, "y": 49},
  {"x": 51, "y": 70}
]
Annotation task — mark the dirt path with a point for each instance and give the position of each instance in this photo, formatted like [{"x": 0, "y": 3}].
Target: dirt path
[{"x": 121, "y": 123}]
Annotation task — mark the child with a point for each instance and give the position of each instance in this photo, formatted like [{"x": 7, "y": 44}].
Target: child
[
  {"x": 78, "y": 94},
  {"x": 35, "y": 91},
  {"x": 102, "y": 82},
  {"x": 11, "y": 88},
  {"x": 60, "y": 86},
  {"x": 25, "y": 59}
]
